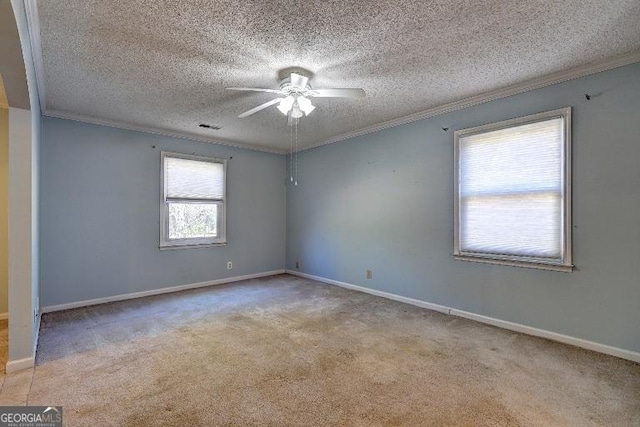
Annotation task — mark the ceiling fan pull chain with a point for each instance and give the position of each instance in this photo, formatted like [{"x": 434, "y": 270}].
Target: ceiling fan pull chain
[
  {"x": 291, "y": 153},
  {"x": 296, "y": 173}
]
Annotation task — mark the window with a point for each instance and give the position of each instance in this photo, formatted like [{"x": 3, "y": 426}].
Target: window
[
  {"x": 512, "y": 192},
  {"x": 192, "y": 209}
]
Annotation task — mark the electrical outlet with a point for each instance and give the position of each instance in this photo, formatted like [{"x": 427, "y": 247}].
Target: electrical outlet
[
  {"x": 297, "y": 264},
  {"x": 229, "y": 265},
  {"x": 369, "y": 274}
]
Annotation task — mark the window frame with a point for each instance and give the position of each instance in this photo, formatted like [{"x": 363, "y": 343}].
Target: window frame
[
  {"x": 565, "y": 263},
  {"x": 197, "y": 242}
]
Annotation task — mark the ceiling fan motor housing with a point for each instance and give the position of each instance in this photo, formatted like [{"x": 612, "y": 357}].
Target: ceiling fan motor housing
[{"x": 290, "y": 89}]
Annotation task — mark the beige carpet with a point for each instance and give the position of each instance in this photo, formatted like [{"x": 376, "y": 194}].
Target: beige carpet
[{"x": 285, "y": 351}]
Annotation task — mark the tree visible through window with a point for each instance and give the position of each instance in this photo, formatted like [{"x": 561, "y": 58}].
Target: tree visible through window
[
  {"x": 513, "y": 193},
  {"x": 193, "y": 205},
  {"x": 191, "y": 220}
]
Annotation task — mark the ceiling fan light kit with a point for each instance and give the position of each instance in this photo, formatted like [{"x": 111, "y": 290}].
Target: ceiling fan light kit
[
  {"x": 294, "y": 102},
  {"x": 296, "y": 105},
  {"x": 295, "y": 92}
]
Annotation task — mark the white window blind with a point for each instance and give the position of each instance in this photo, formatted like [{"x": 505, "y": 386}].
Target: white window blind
[
  {"x": 193, "y": 207},
  {"x": 511, "y": 191},
  {"x": 192, "y": 179}
]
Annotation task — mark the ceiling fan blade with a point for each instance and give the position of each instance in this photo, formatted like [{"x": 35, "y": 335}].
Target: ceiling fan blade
[
  {"x": 298, "y": 80},
  {"x": 339, "y": 93},
  {"x": 259, "y": 107},
  {"x": 254, "y": 89}
]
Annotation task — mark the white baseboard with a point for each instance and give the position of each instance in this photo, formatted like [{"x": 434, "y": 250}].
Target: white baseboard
[
  {"x": 37, "y": 337},
  {"x": 387, "y": 295},
  {"x": 160, "y": 291},
  {"x": 26, "y": 363},
  {"x": 553, "y": 336},
  {"x": 4, "y": 316},
  {"x": 542, "y": 333},
  {"x": 20, "y": 364}
]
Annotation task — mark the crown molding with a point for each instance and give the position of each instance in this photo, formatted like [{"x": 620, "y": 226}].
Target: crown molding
[
  {"x": 526, "y": 86},
  {"x": 156, "y": 131},
  {"x": 33, "y": 23}
]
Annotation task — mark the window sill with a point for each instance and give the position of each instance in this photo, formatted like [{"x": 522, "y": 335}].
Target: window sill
[
  {"x": 206, "y": 245},
  {"x": 566, "y": 268}
]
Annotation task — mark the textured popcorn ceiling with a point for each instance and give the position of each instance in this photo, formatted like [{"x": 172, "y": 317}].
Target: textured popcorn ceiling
[{"x": 165, "y": 64}]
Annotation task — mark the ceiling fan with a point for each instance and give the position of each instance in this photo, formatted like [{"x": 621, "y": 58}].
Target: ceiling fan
[{"x": 294, "y": 95}]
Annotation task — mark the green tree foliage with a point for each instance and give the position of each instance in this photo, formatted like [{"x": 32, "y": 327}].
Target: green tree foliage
[{"x": 192, "y": 220}]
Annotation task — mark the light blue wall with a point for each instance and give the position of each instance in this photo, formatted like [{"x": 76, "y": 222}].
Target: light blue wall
[
  {"x": 385, "y": 201},
  {"x": 382, "y": 201},
  {"x": 100, "y": 195}
]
